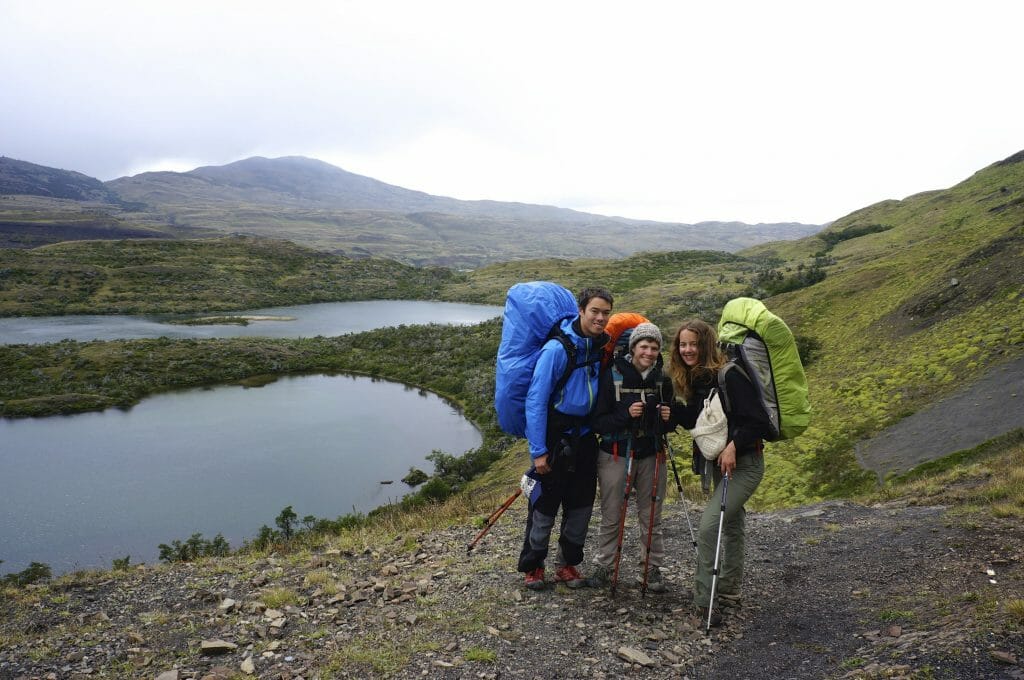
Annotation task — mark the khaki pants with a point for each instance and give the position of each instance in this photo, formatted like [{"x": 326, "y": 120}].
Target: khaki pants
[
  {"x": 611, "y": 476},
  {"x": 742, "y": 485}
]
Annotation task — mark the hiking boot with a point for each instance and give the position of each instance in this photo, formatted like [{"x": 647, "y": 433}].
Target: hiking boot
[
  {"x": 716, "y": 617},
  {"x": 570, "y": 576},
  {"x": 601, "y": 577},
  {"x": 655, "y": 581},
  {"x": 535, "y": 579}
]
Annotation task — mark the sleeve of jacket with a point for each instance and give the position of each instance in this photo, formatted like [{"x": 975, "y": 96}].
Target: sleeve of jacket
[
  {"x": 685, "y": 414},
  {"x": 747, "y": 420},
  {"x": 551, "y": 363},
  {"x": 608, "y": 417},
  {"x": 668, "y": 397}
]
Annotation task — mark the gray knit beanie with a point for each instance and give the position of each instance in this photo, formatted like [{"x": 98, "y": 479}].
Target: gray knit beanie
[{"x": 644, "y": 331}]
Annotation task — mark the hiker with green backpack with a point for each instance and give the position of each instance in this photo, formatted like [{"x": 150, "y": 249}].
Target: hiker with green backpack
[
  {"x": 633, "y": 410},
  {"x": 694, "y": 364},
  {"x": 742, "y": 385}
]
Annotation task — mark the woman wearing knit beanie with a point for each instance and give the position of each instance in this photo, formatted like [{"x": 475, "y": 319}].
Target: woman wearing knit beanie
[{"x": 632, "y": 413}]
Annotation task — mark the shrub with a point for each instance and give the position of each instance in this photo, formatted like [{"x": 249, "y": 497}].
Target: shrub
[
  {"x": 194, "y": 548},
  {"x": 36, "y": 571}
]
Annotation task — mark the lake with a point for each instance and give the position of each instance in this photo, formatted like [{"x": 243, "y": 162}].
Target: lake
[
  {"x": 305, "y": 321},
  {"x": 80, "y": 491}
]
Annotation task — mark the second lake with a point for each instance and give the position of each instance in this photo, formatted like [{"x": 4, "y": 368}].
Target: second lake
[{"x": 80, "y": 491}]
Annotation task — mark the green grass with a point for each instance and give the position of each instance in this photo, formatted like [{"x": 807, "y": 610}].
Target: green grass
[
  {"x": 480, "y": 654},
  {"x": 1015, "y": 610},
  {"x": 892, "y": 615},
  {"x": 275, "y": 598}
]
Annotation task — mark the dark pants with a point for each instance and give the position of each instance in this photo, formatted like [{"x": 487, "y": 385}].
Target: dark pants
[{"x": 571, "y": 488}]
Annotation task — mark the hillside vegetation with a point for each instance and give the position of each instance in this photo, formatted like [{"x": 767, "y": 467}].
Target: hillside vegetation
[{"x": 167, "y": 276}]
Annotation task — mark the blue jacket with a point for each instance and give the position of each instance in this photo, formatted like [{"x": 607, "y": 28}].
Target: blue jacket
[{"x": 577, "y": 398}]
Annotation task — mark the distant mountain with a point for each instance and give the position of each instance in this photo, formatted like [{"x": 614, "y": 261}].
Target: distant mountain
[
  {"x": 28, "y": 179},
  {"x": 319, "y": 205},
  {"x": 323, "y": 206},
  {"x": 296, "y": 181}
]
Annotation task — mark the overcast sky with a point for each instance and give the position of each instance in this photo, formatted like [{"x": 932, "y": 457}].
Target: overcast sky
[{"x": 678, "y": 111}]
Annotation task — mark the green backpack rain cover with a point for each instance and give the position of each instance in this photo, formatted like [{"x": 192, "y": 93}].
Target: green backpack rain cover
[{"x": 762, "y": 344}]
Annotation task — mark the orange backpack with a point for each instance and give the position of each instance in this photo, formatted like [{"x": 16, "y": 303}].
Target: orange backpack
[{"x": 620, "y": 326}]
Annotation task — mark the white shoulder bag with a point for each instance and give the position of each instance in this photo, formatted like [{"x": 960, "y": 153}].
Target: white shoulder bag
[{"x": 711, "y": 433}]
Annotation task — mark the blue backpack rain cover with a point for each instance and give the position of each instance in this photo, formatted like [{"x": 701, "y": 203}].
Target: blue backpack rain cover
[{"x": 533, "y": 314}]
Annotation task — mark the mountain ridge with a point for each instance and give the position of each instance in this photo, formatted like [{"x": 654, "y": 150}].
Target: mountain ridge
[
  {"x": 327, "y": 208},
  {"x": 25, "y": 178}
]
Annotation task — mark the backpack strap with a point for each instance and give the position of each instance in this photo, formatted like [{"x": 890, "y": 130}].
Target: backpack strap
[
  {"x": 617, "y": 381},
  {"x": 556, "y": 333},
  {"x": 723, "y": 393},
  {"x": 571, "y": 364},
  {"x": 659, "y": 385}
]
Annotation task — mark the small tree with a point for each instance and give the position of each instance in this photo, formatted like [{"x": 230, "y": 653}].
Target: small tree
[
  {"x": 286, "y": 521},
  {"x": 265, "y": 538}
]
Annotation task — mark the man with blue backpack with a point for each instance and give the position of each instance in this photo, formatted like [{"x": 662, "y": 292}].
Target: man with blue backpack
[{"x": 558, "y": 404}]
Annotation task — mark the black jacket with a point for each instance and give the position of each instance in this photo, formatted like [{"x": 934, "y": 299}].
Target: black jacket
[
  {"x": 611, "y": 416},
  {"x": 748, "y": 423}
]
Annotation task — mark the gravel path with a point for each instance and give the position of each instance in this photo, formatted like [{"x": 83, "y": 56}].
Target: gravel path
[
  {"x": 987, "y": 408},
  {"x": 835, "y": 590}
]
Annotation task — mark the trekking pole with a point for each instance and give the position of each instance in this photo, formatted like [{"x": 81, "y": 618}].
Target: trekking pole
[
  {"x": 494, "y": 518},
  {"x": 718, "y": 549},
  {"x": 682, "y": 496},
  {"x": 650, "y": 520},
  {"x": 622, "y": 516}
]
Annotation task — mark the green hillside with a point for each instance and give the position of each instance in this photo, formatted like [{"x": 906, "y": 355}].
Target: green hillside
[
  {"x": 919, "y": 295},
  {"x": 167, "y": 276},
  {"x": 926, "y": 293}
]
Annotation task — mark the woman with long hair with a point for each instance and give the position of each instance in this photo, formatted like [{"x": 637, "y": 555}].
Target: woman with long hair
[{"x": 694, "y": 364}]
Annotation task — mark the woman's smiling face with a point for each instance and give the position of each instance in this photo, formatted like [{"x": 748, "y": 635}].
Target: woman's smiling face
[
  {"x": 645, "y": 353},
  {"x": 688, "y": 348}
]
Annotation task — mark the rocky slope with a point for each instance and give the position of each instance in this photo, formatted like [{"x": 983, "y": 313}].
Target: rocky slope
[{"x": 836, "y": 590}]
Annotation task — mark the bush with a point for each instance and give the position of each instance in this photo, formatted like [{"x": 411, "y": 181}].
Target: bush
[
  {"x": 808, "y": 348},
  {"x": 36, "y": 571},
  {"x": 194, "y": 548}
]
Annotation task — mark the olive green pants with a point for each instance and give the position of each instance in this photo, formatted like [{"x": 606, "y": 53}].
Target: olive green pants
[{"x": 742, "y": 485}]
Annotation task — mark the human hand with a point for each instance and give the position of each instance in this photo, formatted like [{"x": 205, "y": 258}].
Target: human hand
[
  {"x": 727, "y": 459},
  {"x": 541, "y": 464}
]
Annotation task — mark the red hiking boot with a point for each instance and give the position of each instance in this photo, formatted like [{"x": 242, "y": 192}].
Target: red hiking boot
[
  {"x": 535, "y": 579},
  {"x": 570, "y": 576}
]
